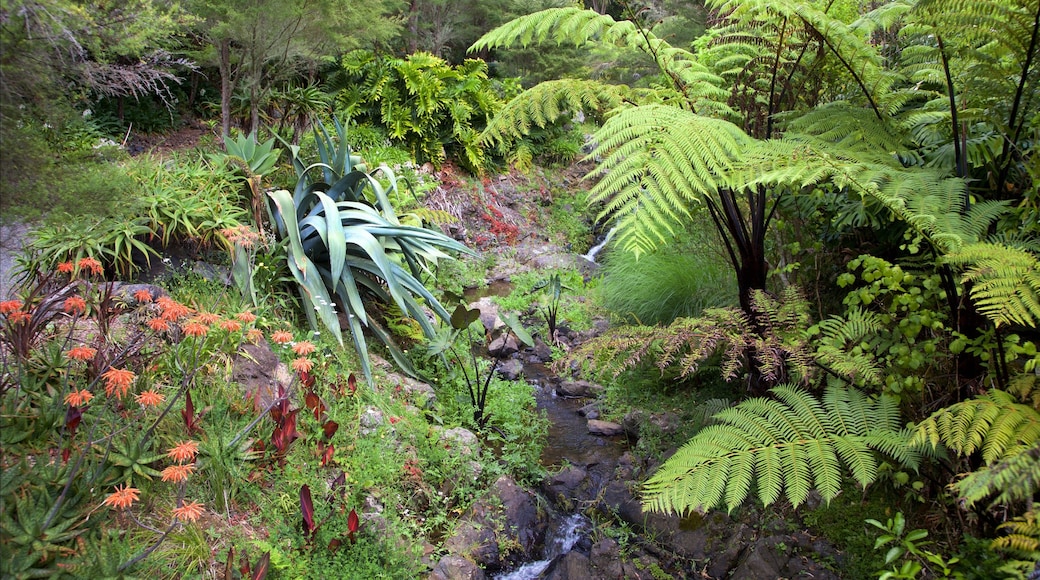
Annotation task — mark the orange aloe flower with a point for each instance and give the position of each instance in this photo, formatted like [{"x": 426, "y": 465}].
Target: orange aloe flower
[
  {"x": 91, "y": 264},
  {"x": 143, "y": 296},
  {"x": 66, "y": 267},
  {"x": 75, "y": 305},
  {"x": 159, "y": 324},
  {"x": 254, "y": 335},
  {"x": 188, "y": 512},
  {"x": 123, "y": 497},
  {"x": 304, "y": 348},
  {"x": 246, "y": 317},
  {"x": 150, "y": 398},
  {"x": 302, "y": 365},
  {"x": 118, "y": 381},
  {"x": 281, "y": 337},
  {"x": 206, "y": 318},
  {"x": 171, "y": 309},
  {"x": 9, "y": 306},
  {"x": 178, "y": 473},
  {"x": 79, "y": 398},
  {"x": 195, "y": 329},
  {"x": 184, "y": 451},
  {"x": 231, "y": 325},
  {"x": 81, "y": 353}
]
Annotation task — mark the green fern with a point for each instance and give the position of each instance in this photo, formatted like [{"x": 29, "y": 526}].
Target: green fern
[
  {"x": 1015, "y": 478},
  {"x": 993, "y": 424},
  {"x": 1005, "y": 282},
  {"x": 657, "y": 162},
  {"x": 791, "y": 444}
]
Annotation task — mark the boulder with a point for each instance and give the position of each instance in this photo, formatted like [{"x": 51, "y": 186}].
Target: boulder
[
  {"x": 605, "y": 428},
  {"x": 509, "y": 369},
  {"x": 452, "y": 567}
]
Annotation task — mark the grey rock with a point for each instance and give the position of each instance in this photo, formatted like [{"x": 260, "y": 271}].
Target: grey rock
[
  {"x": 462, "y": 441},
  {"x": 605, "y": 428},
  {"x": 570, "y": 566},
  {"x": 509, "y": 369},
  {"x": 453, "y": 567},
  {"x": 574, "y": 389},
  {"x": 504, "y": 346}
]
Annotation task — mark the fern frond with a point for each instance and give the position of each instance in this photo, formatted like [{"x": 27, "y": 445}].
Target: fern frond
[
  {"x": 992, "y": 424},
  {"x": 837, "y": 337},
  {"x": 1005, "y": 282},
  {"x": 1022, "y": 539},
  {"x": 657, "y": 162},
  {"x": 701, "y": 89},
  {"x": 791, "y": 444},
  {"x": 546, "y": 103},
  {"x": 1015, "y": 478}
]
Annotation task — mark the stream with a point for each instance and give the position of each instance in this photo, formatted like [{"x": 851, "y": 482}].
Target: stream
[{"x": 568, "y": 442}]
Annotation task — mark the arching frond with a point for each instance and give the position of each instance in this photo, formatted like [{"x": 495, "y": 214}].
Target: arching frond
[
  {"x": 546, "y": 103},
  {"x": 1005, "y": 282},
  {"x": 790, "y": 445},
  {"x": 1015, "y": 478},
  {"x": 992, "y": 424},
  {"x": 838, "y": 335},
  {"x": 700, "y": 88},
  {"x": 657, "y": 161}
]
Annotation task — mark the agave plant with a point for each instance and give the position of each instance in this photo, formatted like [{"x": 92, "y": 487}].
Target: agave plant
[{"x": 346, "y": 246}]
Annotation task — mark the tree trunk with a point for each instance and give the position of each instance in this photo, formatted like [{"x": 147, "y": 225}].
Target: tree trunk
[{"x": 225, "y": 87}]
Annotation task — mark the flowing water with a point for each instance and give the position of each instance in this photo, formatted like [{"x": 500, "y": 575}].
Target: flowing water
[{"x": 561, "y": 539}]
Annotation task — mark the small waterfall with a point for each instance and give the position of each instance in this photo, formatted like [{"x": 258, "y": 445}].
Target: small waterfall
[
  {"x": 591, "y": 255},
  {"x": 561, "y": 540}
]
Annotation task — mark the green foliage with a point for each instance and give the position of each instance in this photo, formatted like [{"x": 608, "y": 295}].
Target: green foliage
[
  {"x": 909, "y": 547},
  {"x": 908, "y": 329},
  {"x": 993, "y": 424},
  {"x": 345, "y": 239},
  {"x": 1004, "y": 282},
  {"x": 676, "y": 281},
  {"x": 793, "y": 443},
  {"x": 434, "y": 109}
]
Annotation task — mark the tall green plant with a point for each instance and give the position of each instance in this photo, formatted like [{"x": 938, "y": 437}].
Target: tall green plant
[
  {"x": 348, "y": 249},
  {"x": 434, "y": 109}
]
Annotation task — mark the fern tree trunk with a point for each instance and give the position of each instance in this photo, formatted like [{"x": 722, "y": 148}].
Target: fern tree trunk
[{"x": 742, "y": 222}]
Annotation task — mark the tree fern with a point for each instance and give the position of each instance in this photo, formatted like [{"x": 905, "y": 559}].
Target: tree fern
[
  {"x": 1005, "y": 282},
  {"x": 791, "y": 445},
  {"x": 657, "y": 161}
]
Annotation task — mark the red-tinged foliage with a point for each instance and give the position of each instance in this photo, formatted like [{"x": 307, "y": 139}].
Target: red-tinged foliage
[
  {"x": 191, "y": 420},
  {"x": 326, "y": 455},
  {"x": 263, "y": 565},
  {"x": 73, "y": 417},
  {"x": 315, "y": 404},
  {"x": 307, "y": 509},
  {"x": 329, "y": 428},
  {"x": 353, "y": 523},
  {"x": 307, "y": 379}
]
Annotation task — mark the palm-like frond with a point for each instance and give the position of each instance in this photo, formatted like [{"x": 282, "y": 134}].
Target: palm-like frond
[
  {"x": 1005, "y": 282},
  {"x": 657, "y": 161},
  {"x": 791, "y": 444}
]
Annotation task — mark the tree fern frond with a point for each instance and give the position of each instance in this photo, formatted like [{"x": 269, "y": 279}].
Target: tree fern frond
[
  {"x": 1022, "y": 537},
  {"x": 657, "y": 160},
  {"x": 992, "y": 424},
  {"x": 547, "y": 103},
  {"x": 1005, "y": 282},
  {"x": 794, "y": 442}
]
